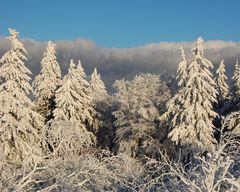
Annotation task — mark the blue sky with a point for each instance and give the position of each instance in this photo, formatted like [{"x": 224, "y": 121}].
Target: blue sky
[{"x": 122, "y": 23}]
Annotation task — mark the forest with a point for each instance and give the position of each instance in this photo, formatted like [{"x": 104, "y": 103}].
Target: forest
[{"x": 155, "y": 132}]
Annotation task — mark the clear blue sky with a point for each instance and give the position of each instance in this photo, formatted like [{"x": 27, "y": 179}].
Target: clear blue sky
[{"x": 122, "y": 23}]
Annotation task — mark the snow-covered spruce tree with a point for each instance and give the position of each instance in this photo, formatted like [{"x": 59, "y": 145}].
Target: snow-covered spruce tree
[
  {"x": 235, "y": 92},
  {"x": 182, "y": 70},
  {"x": 103, "y": 106},
  {"x": 68, "y": 127},
  {"x": 174, "y": 104},
  {"x": 87, "y": 102},
  {"x": 97, "y": 87},
  {"x": 20, "y": 125},
  {"x": 137, "y": 113},
  {"x": 193, "y": 123},
  {"x": 67, "y": 98},
  {"x": 222, "y": 87},
  {"x": 46, "y": 83}
]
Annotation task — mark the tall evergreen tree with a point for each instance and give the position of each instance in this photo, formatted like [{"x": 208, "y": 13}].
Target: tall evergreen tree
[
  {"x": 193, "y": 123},
  {"x": 182, "y": 70},
  {"x": 68, "y": 126},
  {"x": 88, "y": 111},
  {"x": 222, "y": 86},
  {"x": 174, "y": 104},
  {"x": 68, "y": 101},
  {"x": 103, "y": 117},
  {"x": 46, "y": 83},
  {"x": 97, "y": 87},
  {"x": 73, "y": 100},
  {"x": 235, "y": 92},
  {"x": 19, "y": 123}
]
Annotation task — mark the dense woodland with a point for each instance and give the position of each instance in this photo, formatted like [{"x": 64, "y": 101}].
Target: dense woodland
[{"x": 154, "y": 133}]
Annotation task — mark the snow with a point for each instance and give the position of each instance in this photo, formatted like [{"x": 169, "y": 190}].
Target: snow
[
  {"x": 20, "y": 124},
  {"x": 46, "y": 83},
  {"x": 223, "y": 90},
  {"x": 97, "y": 87},
  {"x": 75, "y": 136},
  {"x": 191, "y": 109}
]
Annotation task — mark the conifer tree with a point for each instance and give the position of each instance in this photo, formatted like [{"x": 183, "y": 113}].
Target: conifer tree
[
  {"x": 222, "y": 86},
  {"x": 174, "y": 104},
  {"x": 73, "y": 100},
  {"x": 236, "y": 85},
  {"x": 19, "y": 123},
  {"x": 103, "y": 117},
  {"x": 68, "y": 126},
  {"x": 97, "y": 87},
  {"x": 46, "y": 83},
  {"x": 86, "y": 100},
  {"x": 68, "y": 101},
  {"x": 193, "y": 123},
  {"x": 182, "y": 70}
]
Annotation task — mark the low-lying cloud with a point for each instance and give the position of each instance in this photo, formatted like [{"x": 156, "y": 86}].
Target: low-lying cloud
[{"x": 117, "y": 63}]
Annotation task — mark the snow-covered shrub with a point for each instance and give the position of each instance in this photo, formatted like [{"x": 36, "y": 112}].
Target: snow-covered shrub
[
  {"x": 217, "y": 170},
  {"x": 99, "y": 171},
  {"x": 70, "y": 138}
]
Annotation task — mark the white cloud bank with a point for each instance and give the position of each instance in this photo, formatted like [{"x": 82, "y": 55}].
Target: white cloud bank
[{"x": 116, "y": 63}]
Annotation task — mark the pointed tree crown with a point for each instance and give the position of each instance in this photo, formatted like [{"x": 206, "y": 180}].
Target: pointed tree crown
[
  {"x": 182, "y": 70},
  {"x": 236, "y": 81},
  {"x": 73, "y": 100},
  {"x": 72, "y": 111},
  {"x": 19, "y": 125},
  {"x": 222, "y": 86},
  {"x": 97, "y": 87},
  {"x": 49, "y": 78},
  {"x": 192, "y": 120},
  {"x": 67, "y": 99}
]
